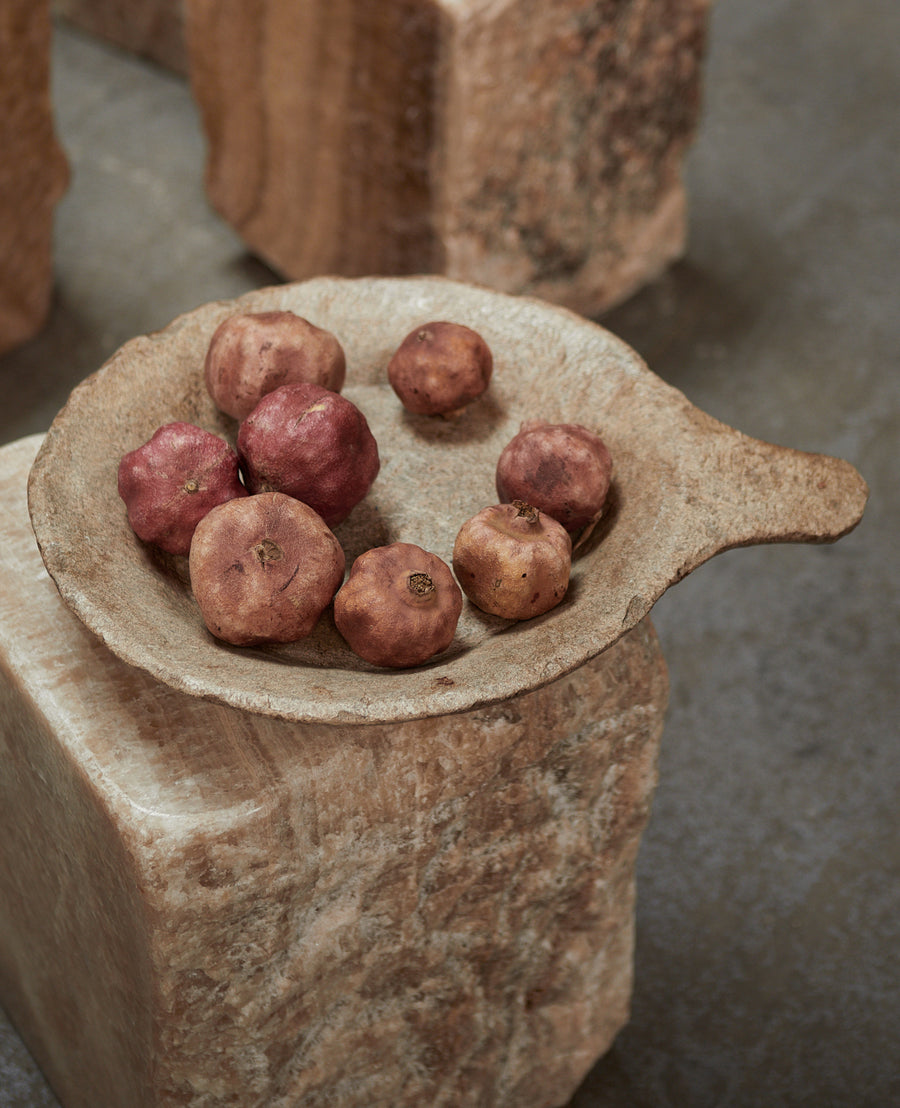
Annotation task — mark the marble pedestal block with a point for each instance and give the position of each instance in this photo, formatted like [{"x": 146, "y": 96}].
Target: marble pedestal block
[
  {"x": 529, "y": 146},
  {"x": 200, "y": 906}
]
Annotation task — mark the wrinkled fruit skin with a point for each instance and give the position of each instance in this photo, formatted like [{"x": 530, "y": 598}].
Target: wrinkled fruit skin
[
  {"x": 263, "y": 569},
  {"x": 513, "y": 561},
  {"x": 171, "y": 482},
  {"x": 439, "y": 368},
  {"x": 252, "y": 354},
  {"x": 312, "y": 444},
  {"x": 563, "y": 469},
  {"x": 399, "y": 606}
]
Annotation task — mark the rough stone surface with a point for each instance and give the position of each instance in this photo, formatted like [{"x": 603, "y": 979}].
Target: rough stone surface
[
  {"x": 200, "y": 906},
  {"x": 33, "y": 170},
  {"x": 684, "y": 488},
  {"x": 529, "y": 146},
  {"x": 152, "y": 28}
]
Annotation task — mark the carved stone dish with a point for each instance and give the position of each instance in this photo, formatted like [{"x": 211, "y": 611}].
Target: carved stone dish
[{"x": 685, "y": 488}]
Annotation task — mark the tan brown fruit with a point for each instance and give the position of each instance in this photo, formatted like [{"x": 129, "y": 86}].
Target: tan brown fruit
[
  {"x": 562, "y": 469},
  {"x": 399, "y": 606},
  {"x": 312, "y": 444},
  {"x": 513, "y": 560},
  {"x": 172, "y": 480},
  {"x": 439, "y": 368},
  {"x": 254, "y": 353},
  {"x": 263, "y": 569}
]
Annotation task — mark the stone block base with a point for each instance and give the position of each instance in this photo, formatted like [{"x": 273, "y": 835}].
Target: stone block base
[{"x": 204, "y": 907}]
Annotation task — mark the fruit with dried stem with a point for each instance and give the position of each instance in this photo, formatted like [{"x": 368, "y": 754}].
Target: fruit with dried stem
[
  {"x": 513, "y": 560},
  {"x": 264, "y": 569},
  {"x": 399, "y": 605},
  {"x": 253, "y": 353},
  {"x": 312, "y": 444},
  {"x": 172, "y": 481},
  {"x": 563, "y": 469},
  {"x": 440, "y": 368}
]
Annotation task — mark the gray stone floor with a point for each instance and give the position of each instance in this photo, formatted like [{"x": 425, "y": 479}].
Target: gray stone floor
[{"x": 767, "y": 969}]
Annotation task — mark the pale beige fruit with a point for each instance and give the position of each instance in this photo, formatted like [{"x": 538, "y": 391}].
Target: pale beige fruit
[{"x": 513, "y": 561}]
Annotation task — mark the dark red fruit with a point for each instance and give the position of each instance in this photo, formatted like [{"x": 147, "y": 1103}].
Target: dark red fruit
[
  {"x": 172, "y": 481},
  {"x": 312, "y": 444}
]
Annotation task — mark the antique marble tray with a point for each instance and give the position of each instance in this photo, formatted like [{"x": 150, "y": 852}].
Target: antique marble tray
[{"x": 685, "y": 488}]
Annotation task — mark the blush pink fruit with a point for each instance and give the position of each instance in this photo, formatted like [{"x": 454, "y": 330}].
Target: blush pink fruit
[
  {"x": 312, "y": 444},
  {"x": 399, "y": 606},
  {"x": 253, "y": 353},
  {"x": 264, "y": 569},
  {"x": 513, "y": 561},
  {"x": 171, "y": 482},
  {"x": 563, "y": 469}
]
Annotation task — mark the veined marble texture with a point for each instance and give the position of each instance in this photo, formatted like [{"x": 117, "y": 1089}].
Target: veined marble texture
[{"x": 202, "y": 906}]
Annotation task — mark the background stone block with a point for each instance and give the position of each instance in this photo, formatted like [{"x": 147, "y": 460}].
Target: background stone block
[
  {"x": 33, "y": 170},
  {"x": 200, "y": 906},
  {"x": 152, "y": 28},
  {"x": 535, "y": 147}
]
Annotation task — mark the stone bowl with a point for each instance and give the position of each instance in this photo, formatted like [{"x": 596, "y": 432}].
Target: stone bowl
[{"x": 685, "y": 487}]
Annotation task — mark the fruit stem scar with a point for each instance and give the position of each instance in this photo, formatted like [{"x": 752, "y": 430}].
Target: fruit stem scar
[
  {"x": 420, "y": 584},
  {"x": 191, "y": 485},
  {"x": 268, "y": 551}
]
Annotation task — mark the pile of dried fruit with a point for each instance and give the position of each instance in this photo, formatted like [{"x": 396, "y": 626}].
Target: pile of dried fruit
[{"x": 256, "y": 521}]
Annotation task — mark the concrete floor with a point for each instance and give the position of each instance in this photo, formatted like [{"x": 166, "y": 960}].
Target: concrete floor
[{"x": 769, "y": 879}]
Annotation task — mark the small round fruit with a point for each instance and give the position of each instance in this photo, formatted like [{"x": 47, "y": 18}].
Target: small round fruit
[
  {"x": 440, "y": 368},
  {"x": 172, "y": 481},
  {"x": 399, "y": 605},
  {"x": 253, "y": 353},
  {"x": 513, "y": 561},
  {"x": 563, "y": 469},
  {"x": 263, "y": 569},
  {"x": 312, "y": 444}
]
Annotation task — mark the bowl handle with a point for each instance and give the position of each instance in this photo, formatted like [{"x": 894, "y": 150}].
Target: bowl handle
[{"x": 767, "y": 494}]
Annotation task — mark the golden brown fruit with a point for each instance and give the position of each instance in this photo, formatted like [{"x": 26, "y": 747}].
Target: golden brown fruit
[
  {"x": 173, "y": 480},
  {"x": 253, "y": 353},
  {"x": 562, "y": 469},
  {"x": 513, "y": 560},
  {"x": 399, "y": 606},
  {"x": 312, "y": 444},
  {"x": 440, "y": 368},
  {"x": 263, "y": 569}
]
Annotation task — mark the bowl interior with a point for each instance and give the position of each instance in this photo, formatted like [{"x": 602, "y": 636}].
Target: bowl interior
[{"x": 435, "y": 474}]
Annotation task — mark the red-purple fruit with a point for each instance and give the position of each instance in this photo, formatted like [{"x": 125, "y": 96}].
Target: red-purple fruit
[
  {"x": 399, "y": 605},
  {"x": 263, "y": 569},
  {"x": 440, "y": 368},
  {"x": 312, "y": 444},
  {"x": 172, "y": 481},
  {"x": 513, "y": 561},
  {"x": 253, "y": 353},
  {"x": 563, "y": 469}
]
